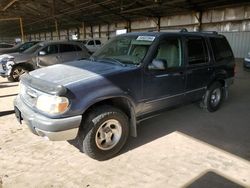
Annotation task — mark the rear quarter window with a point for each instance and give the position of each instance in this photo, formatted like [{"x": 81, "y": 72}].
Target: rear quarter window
[{"x": 220, "y": 48}]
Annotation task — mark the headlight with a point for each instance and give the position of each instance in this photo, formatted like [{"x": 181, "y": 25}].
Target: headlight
[
  {"x": 9, "y": 64},
  {"x": 52, "y": 104}
]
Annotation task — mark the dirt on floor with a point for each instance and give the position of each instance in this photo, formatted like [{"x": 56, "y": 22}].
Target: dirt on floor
[{"x": 184, "y": 147}]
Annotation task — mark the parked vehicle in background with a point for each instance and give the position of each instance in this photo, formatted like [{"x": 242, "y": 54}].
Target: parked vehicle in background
[
  {"x": 41, "y": 55},
  {"x": 246, "y": 63},
  {"x": 19, "y": 47},
  {"x": 92, "y": 44},
  {"x": 133, "y": 77},
  {"x": 6, "y": 45}
]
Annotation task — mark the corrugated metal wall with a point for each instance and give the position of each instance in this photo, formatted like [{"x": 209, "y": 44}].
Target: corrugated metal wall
[{"x": 240, "y": 42}]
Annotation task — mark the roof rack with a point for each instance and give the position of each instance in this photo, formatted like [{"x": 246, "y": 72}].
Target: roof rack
[{"x": 212, "y": 32}]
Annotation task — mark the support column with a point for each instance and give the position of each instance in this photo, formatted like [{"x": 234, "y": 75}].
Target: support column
[
  {"x": 108, "y": 32},
  {"x": 99, "y": 30},
  {"x": 200, "y": 21},
  {"x": 57, "y": 30},
  {"x": 129, "y": 26},
  {"x": 158, "y": 24},
  {"x": 21, "y": 27},
  {"x": 67, "y": 33},
  {"x": 91, "y": 30},
  {"x": 84, "y": 30}
]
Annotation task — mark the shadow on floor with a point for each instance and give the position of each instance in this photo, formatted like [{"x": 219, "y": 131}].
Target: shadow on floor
[
  {"x": 6, "y": 86},
  {"x": 212, "y": 180},
  {"x": 5, "y": 113},
  {"x": 11, "y": 95}
]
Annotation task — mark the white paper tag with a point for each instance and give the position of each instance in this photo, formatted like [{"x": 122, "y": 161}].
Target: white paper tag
[{"x": 146, "y": 38}]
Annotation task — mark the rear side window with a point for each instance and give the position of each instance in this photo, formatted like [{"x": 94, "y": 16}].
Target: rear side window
[
  {"x": 197, "y": 51},
  {"x": 67, "y": 48},
  {"x": 97, "y": 42},
  {"x": 221, "y": 48},
  {"x": 91, "y": 42}
]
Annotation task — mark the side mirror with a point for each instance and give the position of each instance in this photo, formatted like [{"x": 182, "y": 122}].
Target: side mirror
[
  {"x": 41, "y": 53},
  {"x": 158, "y": 64}
]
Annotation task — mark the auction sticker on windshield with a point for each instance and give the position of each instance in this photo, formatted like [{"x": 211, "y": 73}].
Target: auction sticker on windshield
[{"x": 146, "y": 38}]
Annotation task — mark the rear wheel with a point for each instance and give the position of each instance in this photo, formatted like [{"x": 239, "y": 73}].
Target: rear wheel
[
  {"x": 213, "y": 97},
  {"x": 16, "y": 72},
  {"x": 104, "y": 133}
]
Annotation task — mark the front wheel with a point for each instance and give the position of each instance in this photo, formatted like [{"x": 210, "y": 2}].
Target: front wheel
[
  {"x": 16, "y": 72},
  {"x": 213, "y": 97},
  {"x": 104, "y": 133}
]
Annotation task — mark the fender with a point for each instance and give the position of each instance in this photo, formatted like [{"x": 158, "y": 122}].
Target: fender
[{"x": 131, "y": 106}]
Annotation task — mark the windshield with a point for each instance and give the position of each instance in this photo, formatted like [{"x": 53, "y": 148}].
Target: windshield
[
  {"x": 125, "y": 49},
  {"x": 33, "y": 49}
]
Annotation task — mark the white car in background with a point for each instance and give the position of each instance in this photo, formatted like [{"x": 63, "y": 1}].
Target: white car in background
[{"x": 92, "y": 44}]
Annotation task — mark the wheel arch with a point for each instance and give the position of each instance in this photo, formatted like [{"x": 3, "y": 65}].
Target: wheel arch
[
  {"x": 29, "y": 66},
  {"x": 121, "y": 102}
]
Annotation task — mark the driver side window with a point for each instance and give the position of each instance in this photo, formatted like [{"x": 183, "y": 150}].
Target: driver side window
[{"x": 169, "y": 52}]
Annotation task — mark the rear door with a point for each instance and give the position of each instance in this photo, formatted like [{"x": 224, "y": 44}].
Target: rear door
[
  {"x": 198, "y": 64},
  {"x": 67, "y": 52}
]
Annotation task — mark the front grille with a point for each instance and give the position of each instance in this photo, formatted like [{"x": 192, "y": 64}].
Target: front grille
[
  {"x": 4, "y": 66},
  {"x": 29, "y": 95}
]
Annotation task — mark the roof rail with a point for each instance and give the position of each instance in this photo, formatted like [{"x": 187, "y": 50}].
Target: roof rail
[
  {"x": 212, "y": 32},
  {"x": 184, "y": 30}
]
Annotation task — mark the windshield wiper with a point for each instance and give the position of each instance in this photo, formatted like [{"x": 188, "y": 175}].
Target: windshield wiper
[{"x": 113, "y": 60}]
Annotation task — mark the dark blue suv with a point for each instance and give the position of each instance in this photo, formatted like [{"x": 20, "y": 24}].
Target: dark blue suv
[{"x": 99, "y": 101}]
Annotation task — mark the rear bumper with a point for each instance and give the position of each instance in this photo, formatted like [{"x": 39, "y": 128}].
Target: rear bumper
[{"x": 52, "y": 129}]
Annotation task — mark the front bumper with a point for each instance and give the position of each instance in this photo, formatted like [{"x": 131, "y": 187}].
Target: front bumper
[{"x": 52, "y": 129}]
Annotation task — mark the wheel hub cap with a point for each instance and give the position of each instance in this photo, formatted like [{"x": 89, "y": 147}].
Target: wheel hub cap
[
  {"x": 216, "y": 97},
  {"x": 108, "y": 134}
]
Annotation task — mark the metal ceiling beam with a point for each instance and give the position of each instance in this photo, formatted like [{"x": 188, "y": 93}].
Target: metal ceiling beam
[
  {"x": 9, "y": 4},
  {"x": 111, "y": 11}
]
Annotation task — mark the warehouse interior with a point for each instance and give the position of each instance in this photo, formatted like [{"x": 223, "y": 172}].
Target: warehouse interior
[
  {"x": 185, "y": 147},
  {"x": 60, "y": 20}
]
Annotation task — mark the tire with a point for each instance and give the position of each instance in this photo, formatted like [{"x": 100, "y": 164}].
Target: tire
[
  {"x": 16, "y": 72},
  {"x": 213, "y": 97},
  {"x": 104, "y": 132}
]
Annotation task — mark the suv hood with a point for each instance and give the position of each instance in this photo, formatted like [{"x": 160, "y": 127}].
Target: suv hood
[{"x": 76, "y": 71}]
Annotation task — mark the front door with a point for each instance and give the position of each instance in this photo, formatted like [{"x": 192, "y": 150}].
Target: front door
[
  {"x": 49, "y": 56},
  {"x": 165, "y": 87}
]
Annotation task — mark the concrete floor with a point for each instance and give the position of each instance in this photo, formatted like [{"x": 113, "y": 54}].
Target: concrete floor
[{"x": 184, "y": 147}]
